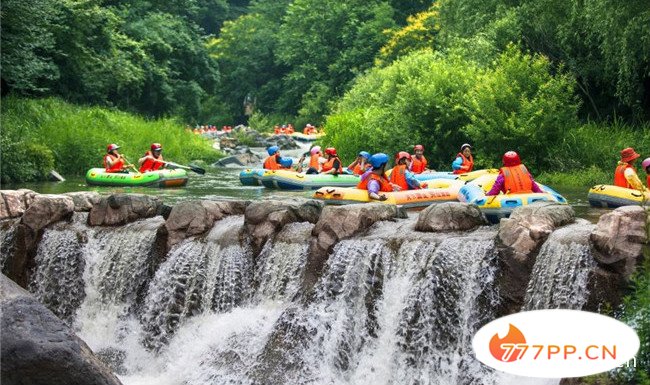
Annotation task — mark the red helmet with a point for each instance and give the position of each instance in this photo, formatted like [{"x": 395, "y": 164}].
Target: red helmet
[
  {"x": 511, "y": 158},
  {"x": 156, "y": 147},
  {"x": 403, "y": 154},
  {"x": 330, "y": 151},
  {"x": 418, "y": 147},
  {"x": 112, "y": 147}
]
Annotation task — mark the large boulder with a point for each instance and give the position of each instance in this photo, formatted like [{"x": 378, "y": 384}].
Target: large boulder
[
  {"x": 264, "y": 219},
  {"x": 247, "y": 159},
  {"x": 84, "y": 200},
  {"x": 120, "y": 209},
  {"x": 40, "y": 349},
  {"x": 47, "y": 209},
  {"x": 339, "y": 222},
  {"x": 450, "y": 216},
  {"x": 197, "y": 217},
  {"x": 13, "y": 203},
  {"x": 619, "y": 238},
  {"x": 519, "y": 240}
]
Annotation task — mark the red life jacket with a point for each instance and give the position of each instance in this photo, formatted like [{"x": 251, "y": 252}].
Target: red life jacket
[
  {"x": 151, "y": 165},
  {"x": 467, "y": 166},
  {"x": 516, "y": 179},
  {"x": 384, "y": 183},
  {"x": 619, "y": 175},
  {"x": 418, "y": 165},
  {"x": 648, "y": 180},
  {"x": 398, "y": 176},
  {"x": 314, "y": 162},
  {"x": 330, "y": 165},
  {"x": 271, "y": 163},
  {"x": 118, "y": 164}
]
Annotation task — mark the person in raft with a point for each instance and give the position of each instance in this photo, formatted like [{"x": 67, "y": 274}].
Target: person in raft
[
  {"x": 286, "y": 164},
  {"x": 401, "y": 176},
  {"x": 514, "y": 177},
  {"x": 464, "y": 161},
  {"x": 113, "y": 160},
  {"x": 625, "y": 173},
  {"x": 152, "y": 159},
  {"x": 273, "y": 161},
  {"x": 360, "y": 165},
  {"x": 419, "y": 162},
  {"x": 315, "y": 160},
  {"x": 375, "y": 179},
  {"x": 646, "y": 166},
  {"x": 333, "y": 164}
]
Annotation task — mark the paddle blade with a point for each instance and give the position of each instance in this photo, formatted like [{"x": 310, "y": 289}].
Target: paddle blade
[{"x": 197, "y": 169}]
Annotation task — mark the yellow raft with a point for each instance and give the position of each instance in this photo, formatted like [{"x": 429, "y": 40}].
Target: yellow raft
[
  {"x": 614, "y": 196},
  {"x": 438, "y": 190}
]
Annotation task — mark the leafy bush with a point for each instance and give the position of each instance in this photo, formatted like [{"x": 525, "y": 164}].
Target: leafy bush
[{"x": 76, "y": 137}]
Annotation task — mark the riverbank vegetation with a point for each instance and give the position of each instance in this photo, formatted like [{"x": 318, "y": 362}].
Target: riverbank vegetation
[{"x": 39, "y": 135}]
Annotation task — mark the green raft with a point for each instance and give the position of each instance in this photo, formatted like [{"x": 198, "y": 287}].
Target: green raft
[{"x": 159, "y": 178}]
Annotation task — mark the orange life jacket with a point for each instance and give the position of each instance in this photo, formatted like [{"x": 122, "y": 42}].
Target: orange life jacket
[
  {"x": 271, "y": 163},
  {"x": 314, "y": 162},
  {"x": 118, "y": 164},
  {"x": 516, "y": 179},
  {"x": 619, "y": 175},
  {"x": 151, "y": 165},
  {"x": 398, "y": 176},
  {"x": 467, "y": 166},
  {"x": 418, "y": 165},
  {"x": 384, "y": 183},
  {"x": 276, "y": 131},
  {"x": 330, "y": 165},
  {"x": 358, "y": 170}
]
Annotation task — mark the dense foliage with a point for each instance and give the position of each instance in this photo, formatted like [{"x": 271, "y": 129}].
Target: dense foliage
[{"x": 40, "y": 135}]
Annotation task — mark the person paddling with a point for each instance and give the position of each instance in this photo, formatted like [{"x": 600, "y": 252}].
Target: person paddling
[
  {"x": 314, "y": 160},
  {"x": 375, "y": 180},
  {"x": 400, "y": 174},
  {"x": 419, "y": 162},
  {"x": 273, "y": 161},
  {"x": 514, "y": 177},
  {"x": 113, "y": 160},
  {"x": 464, "y": 161},
  {"x": 152, "y": 159},
  {"x": 360, "y": 164},
  {"x": 625, "y": 174}
]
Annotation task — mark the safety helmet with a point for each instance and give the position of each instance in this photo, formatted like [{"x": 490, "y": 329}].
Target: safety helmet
[
  {"x": 465, "y": 145},
  {"x": 112, "y": 147},
  {"x": 273, "y": 150},
  {"x": 645, "y": 163},
  {"x": 156, "y": 147},
  {"x": 286, "y": 162},
  {"x": 364, "y": 154},
  {"x": 378, "y": 160},
  {"x": 315, "y": 150},
  {"x": 403, "y": 154},
  {"x": 511, "y": 158},
  {"x": 330, "y": 151},
  {"x": 418, "y": 147}
]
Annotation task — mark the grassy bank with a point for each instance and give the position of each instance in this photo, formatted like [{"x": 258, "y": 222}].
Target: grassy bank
[{"x": 39, "y": 135}]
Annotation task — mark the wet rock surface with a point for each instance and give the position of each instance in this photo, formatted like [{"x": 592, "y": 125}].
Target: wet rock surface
[{"x": 450, "y": 216}]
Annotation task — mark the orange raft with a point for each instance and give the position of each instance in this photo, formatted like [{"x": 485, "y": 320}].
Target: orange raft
[{"x": 437, "y": 191}]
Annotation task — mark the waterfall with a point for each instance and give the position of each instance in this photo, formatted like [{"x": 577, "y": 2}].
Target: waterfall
[
  {"x": 7, "y": 231},
  {"x": 561, "y": 270}
]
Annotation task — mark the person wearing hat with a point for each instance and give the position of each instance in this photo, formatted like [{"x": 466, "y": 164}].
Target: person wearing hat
[
  {"x": 646, "y": 167},
  {"x": 153, "y": 159},
  {"x": 514, "y": 177},
  {"x": 360, "y": 164},
  {"x": 273, "y": 161},
  {"x": 375, "y": 180},
  {"x": 464, "y": 161},
  {"x": 113, "y": 160},
  {"x": 418, "y": 161},
  {"x": 400, "y": 174},
  {"x": 625, "y": 173},
  {"x": 333, "y": 164}
]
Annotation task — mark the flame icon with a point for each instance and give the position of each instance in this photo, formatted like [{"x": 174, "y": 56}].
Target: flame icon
[{"x": 514, "y": 336}]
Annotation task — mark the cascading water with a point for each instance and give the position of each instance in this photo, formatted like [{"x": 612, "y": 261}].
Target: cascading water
[
  {"x": 561, "y": 270},
  {"x": 7, "y": 231}
]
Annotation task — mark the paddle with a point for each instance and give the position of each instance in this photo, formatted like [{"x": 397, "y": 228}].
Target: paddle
[
  {"x": 196, "y": 169},
  {"x": 130, "y": 164}
]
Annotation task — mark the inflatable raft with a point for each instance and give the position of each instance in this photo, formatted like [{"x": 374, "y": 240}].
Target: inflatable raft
[
  {"x": 251, "y": 176},
  {"x": 501, "y": 206},
  {"x": 289, "y": 180},
  {"x": 614, "y": 196},
  {"x": 466, "y": 177},
  {"x": 159, "y": 178},
  {"x": 439, "y": 190},
  {"x": 306, "y": 138}
]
